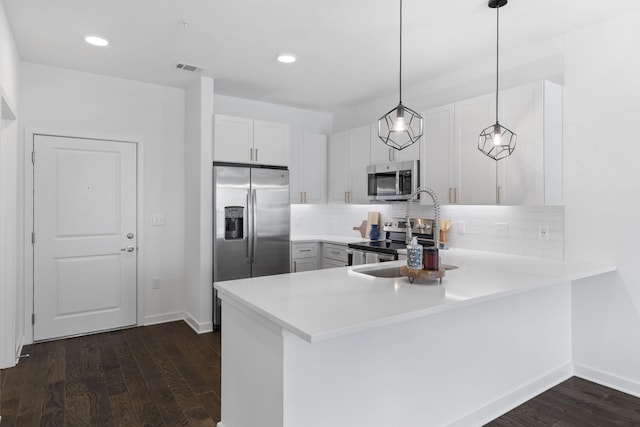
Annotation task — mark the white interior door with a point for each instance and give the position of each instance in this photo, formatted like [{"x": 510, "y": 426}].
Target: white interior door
[{"x": 85, "y": 252}]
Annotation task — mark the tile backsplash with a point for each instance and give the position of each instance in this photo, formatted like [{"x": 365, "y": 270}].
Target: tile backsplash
[{"x": 505, "y": 229}]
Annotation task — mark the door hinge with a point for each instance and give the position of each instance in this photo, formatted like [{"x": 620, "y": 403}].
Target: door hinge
[
  {"x": 33, "y": 157},
  {"x": 33, "y": 237},
  {"x": 33, "y": 318}
]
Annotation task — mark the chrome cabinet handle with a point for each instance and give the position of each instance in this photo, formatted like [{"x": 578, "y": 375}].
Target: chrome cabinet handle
[
  {"x": 345, "y": 196},
  {"x": 305, "y": 250},
  {"x": 295, "y": 267},
  {"x": 250, "y": 154},
  {"x": 450, "y": 189},
  {"x": 128, "y": 249},
  {"x": 390, "y": 154},
  {"x": 256, "y": 154},
  {"x": 305, "y": 197},
  {"x": 498, "y": 201}
]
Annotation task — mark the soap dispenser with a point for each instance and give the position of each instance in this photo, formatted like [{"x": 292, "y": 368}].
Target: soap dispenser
[{"x": 414, "y": 255}]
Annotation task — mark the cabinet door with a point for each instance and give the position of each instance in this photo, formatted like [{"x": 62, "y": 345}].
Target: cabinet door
[
  {"x": 359, "y": 154},
  {"x": 382, "y": 153},
  {"x": 475, "y": 173},
  {"x": 295, "y": 169},
  {"x": 521, "y": 175},
  {"x": 271, "y": 143},
  {"x": 437, "y": 160},
  {"x": 304, "y": 264},
  {"x": 333, "y": 263},
  {"x": 233, "y": 139},
  {"x": 338, "y": 167},
  {"x": 313, "y": 168}
]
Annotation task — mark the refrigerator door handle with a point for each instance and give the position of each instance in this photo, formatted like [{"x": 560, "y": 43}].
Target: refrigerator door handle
[
  {"x": 250, "y": 229},
  {"x": 254, "y": 231}
]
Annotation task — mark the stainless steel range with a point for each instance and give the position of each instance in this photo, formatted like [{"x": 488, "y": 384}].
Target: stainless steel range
[{"x": 394, "y": 232}]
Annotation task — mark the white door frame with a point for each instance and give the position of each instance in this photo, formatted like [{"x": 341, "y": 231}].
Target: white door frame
[{"x": 28, "y": 216}]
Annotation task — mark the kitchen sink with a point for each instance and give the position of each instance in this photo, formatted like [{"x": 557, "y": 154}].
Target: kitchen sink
[{"x": 391, "y": 272}]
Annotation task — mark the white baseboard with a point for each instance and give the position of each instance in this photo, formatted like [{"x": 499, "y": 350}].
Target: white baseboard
[
  {"x": 163, "y": 318},
  {"x": 608, "y": 380},
  {"x": 200, "y": 328},
  {"x": 515, "y": 398}
]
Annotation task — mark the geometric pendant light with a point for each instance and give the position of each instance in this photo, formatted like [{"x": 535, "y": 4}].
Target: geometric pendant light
[
  {"x": 401, "y": 126},
  {"x": 496, "y": 141}
]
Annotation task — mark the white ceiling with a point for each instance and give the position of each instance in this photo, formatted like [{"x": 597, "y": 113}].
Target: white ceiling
[{"x": 347, "y": 49}]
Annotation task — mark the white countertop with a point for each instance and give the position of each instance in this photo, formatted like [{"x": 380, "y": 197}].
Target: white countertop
[{"x": 324, "y": 304}]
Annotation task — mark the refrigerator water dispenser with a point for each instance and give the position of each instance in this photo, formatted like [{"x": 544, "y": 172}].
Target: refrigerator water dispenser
[{"x": 233, "y": 222}]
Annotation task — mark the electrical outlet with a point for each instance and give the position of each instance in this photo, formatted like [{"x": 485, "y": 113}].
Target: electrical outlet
[
  {"x": 462, "y": 228},
  {"x": 502, "y": 230},
  {"x": 155, "y": 283},
  {"x": 543, "y": 232}
]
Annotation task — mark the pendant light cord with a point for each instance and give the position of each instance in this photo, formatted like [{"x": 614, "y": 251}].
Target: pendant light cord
[
  {"x": 497, "y": 57},
  {"x": 400, "y": 74}
]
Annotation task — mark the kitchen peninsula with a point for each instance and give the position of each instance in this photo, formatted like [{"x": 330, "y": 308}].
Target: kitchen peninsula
[{"x": 340, "y": 347}]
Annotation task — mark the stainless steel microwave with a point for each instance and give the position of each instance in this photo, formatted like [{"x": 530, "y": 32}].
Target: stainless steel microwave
[{"x": 394, "y": 181}]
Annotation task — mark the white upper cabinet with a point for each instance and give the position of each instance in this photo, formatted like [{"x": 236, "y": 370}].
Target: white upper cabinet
[
  {"x": 359, "y": 159},
  {"x": 437, "y": 157},
  {"x": 460, "y": 173},
  {"x": 475, "y": 173},
  {"x": 232, "y": 139},
  {"x": 309, "y": 169},
  {"x": 242, "y": 140},
  {"x": 382, "y": 153},
  {"x": 271, "y": 143},
  {"x": 349, "y": 156},
  {"x": 532, "y": 175}
]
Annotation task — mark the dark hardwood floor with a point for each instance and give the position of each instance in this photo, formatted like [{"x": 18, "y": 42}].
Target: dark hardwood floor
[
  {"x": 575, "y": 403},
  {"x": 162, "y": 375},
  {"x": 167, "y": 375}
]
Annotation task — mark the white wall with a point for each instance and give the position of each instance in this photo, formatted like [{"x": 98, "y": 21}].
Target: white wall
[
  {"x": 82, "y": 104},
  {"x": 10, "y": 276},
  {"x": 602, "y": 195},
  {"x": 299, "y": 119},
  {"x": 199, "y": 205},
  {"x": 540, "y": 61}
]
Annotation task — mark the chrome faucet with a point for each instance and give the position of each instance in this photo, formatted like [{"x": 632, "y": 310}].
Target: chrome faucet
[{"x": 436, "y": 209}]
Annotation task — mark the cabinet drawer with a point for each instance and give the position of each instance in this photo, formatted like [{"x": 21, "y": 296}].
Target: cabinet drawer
[
  {"x": 304, "y": 250},
  {"x": 332, "y": 263},
  {"x": 337, "y": 252}
]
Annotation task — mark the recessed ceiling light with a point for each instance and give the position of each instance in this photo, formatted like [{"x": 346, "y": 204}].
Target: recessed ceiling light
[
  {"x": 287, "y": 58},
  {"x": 96, "y": 40}
]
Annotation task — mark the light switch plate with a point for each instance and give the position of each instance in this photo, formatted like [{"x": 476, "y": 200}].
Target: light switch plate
[{"x": 157, "y": 220}]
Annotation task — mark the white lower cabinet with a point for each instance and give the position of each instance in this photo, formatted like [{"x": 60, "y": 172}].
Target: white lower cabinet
[
  {"x": 305, "y": 256},
  {"x": 459, "y": 173},
  {"x": 316, "y": 255},
  {"x": 334, "y": 255}
]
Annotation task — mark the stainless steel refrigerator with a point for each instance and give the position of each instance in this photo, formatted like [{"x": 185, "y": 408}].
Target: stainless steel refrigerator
[{"x": 251, "y": 219}]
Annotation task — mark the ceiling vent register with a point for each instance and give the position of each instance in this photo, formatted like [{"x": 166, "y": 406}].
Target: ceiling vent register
[{"x": 188, "y": 67}]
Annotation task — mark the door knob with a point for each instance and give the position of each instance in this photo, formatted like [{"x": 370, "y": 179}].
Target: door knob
[
  {"x": 128, "y": 249},
  {"x": 130, "y": 235}
]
